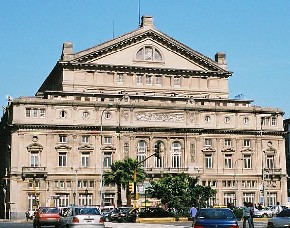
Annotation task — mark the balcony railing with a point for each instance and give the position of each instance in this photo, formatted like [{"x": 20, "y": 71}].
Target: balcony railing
[{"x": 34, "y": 172}]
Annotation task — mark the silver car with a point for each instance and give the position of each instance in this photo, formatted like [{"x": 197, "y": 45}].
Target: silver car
[
  {"x": 82, "y": 216},
  {"x": 281, "y": 220}
]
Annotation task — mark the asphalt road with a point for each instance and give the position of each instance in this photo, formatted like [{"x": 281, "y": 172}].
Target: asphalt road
[{"x": 185, "y": 224}]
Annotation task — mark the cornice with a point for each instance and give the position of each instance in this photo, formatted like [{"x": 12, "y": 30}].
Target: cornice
[
  {"x": 124, "y": 129},
  {"x": 136, "y": 69}
]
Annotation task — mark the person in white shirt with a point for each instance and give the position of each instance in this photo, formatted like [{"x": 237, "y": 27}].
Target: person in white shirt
[{"x": 278, "y": 208}]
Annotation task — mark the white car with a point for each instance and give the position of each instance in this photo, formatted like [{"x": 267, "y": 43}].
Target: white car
[
  {"x": 281, "y": 220},
  {"x": 82, "y": 216},
  {"x": 264, "y": 213}
]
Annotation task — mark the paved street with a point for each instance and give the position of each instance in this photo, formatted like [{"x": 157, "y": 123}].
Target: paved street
[{"x": 23, "y": 224}]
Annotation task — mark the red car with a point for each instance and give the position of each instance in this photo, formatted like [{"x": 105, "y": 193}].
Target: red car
[{"x": 46, "y": 216}]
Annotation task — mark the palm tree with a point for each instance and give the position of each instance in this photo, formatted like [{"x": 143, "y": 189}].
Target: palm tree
[{"x": 121, "y": 174}]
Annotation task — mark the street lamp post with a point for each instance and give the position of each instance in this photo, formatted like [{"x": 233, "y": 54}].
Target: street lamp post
[
  {"x": 74, "y": 196},
  {"x": 76, "y": 186},
  {"x": 86, "y": 193},
  {"x": 235, "y": 174}
]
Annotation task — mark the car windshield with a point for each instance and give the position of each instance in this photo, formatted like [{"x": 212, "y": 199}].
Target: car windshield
[
  {"x": 53, "y": 210},
  {"x": 87, "y": 211},
  {"x": 215, "y": 214}
]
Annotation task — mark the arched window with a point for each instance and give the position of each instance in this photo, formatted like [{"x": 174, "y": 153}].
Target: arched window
[
  {"x": 141, "y": 151},
  {"x": 176, "y": 155},
  {"x": 149, "y": 53}
]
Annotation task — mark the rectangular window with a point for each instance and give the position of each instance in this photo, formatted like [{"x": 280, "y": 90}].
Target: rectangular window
[
  {"x": 91, "y": 184},
  {"x": 107, "y": 140},
  {"x": 28, "y": 112},
  {"x": 176, "y": 160},
  {"x": 85, "y": 139},
  {"x": 148, "y": 80},
  {"x": 158, "y": 162},
  {"x": 34, "y": 159},
  {"x": 85, "y": 159},
  {"x": 139, "y": 79},
  {"x": 274, "y": 121},
  {"x": 120, "y": 78},
  {"x": 228, "y": 142},
  {"x": 176, "y": 81},
  {"x": 228, "y": 161},
  {"x": 107, "y": 160},
  {"x": 62, "y": 159},
  {"x": 62, "y": 138},
  {"x": 208, "y": 161},
  {"x": 33, "y": 184},
  {"x": 248, "y": 197},
  {"x": 229, "y": 198},
  {"x": 68, "y": 184},
  {"x": 247, "y": 161},
  {"x": 158, "y": 80},
  {"x": 270, "y": 161},
  {"x": 207, "y": 142},
  {"x": 42, "y": 113},
  {"x": 247, "y": 143},
  {"x": 61, "y": 184},
  {"x": 34, "y": 113}
]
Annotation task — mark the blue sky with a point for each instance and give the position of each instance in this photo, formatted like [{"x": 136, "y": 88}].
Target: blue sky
[{"x": 255, "y": 35}]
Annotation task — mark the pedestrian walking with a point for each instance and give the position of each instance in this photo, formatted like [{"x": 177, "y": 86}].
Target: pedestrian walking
[
  {"x": 27, "y": 215},
  {"x": 192, "y": 212},
  {"x": 247, "y": 215}
]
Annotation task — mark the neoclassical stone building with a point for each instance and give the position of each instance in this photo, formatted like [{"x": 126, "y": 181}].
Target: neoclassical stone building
[{"x": 119, "y": 99}]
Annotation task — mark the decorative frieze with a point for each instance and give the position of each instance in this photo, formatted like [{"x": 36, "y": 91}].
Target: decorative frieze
[{"x": 160, "y": 117}]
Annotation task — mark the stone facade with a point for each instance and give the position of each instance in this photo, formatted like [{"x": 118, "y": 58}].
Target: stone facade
[{"x": 120, "y": 98}]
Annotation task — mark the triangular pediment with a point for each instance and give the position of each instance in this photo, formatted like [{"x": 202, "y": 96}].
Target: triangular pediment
[{"x": 122, "y": 51}]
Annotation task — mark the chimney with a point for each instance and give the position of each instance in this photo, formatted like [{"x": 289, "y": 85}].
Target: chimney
[
  {"x": 67, "y": 51},
  {"x": 147, "y": 21},
  {"x": 220, "y": 58}
]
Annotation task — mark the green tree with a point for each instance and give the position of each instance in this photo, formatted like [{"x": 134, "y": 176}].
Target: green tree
[
  {"x": 121, "y": 174},
  {"x": 180, "y": 191}
]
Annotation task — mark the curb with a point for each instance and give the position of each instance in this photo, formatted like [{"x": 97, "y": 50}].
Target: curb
[{"x": 160, "y": 220}]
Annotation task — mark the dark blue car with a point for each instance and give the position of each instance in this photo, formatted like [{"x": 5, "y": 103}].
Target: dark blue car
[{"x": 215, "y": 218}]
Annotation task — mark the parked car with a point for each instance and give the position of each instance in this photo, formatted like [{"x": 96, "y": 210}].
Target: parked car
[
  {"x": 264, "y": 213},
  {"x": 281, "y": 220},
  {"x": 215, "y": 217},
  {"x": 114, "y": 213},
  {"x": 128, "y": 215},
  {"x": 46, "y": 216},
  {"x": 82, "y": 216}
]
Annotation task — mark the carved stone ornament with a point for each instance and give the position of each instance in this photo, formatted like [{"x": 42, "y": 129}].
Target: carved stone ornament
[
  {"x": 160, "y": 117},
  {"x": 208, "y": 149},
  {"x": 270, "y": 150},
  {"x": 192, "y": 152},
  {"x": 228, "y": 149},
  {"x": 247, "y": 150},
  {"x": 34, "y": 147},
  {"x": 86, "y": 147}
]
